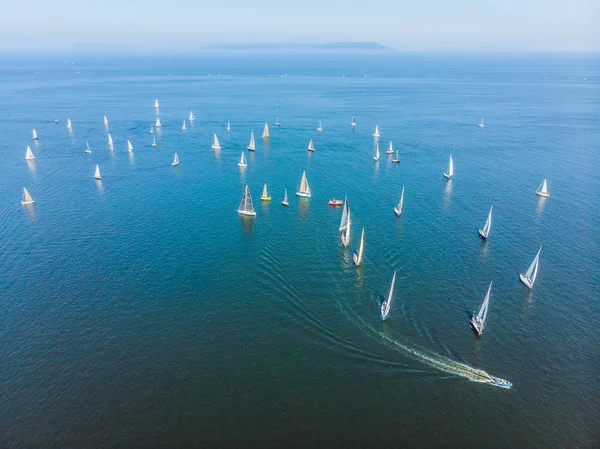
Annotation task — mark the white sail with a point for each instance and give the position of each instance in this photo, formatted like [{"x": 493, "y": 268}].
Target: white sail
[
  {"x": 311, "y": 146},
  {"x": 228, "y": 126},
  {"x": 175, "y": 160},
  {"x": 376, "y": 157},
  {"x": 398, "y": 208},
  {"x": 29, "y": 154},
  {"x": 285, "y": 198},
  {"x": 251, "y": 145},
  {"x": 156, "y": 104},
  {"x": 390, "y": 149},
  {"x": 320, "y": 128},
  {"x": 344, "y": 220},
  {"x": 376, "y": 133},
  {"x": 481, "y": 124},
  {"x": 246, "y": 207},
  {"x": 192, "y": 117},
  {"x": 397, "y": 158},
  {"x": 105, "y": 121},
  {"x": 26, "y": 198},
  {"x": 487, "y": 227},
  {"x": 542, "y": 190},
  {"x": 55, "y": 119},
  {"x": 450, "y": 171},
  {"x": 242, "y": 162},
  {"x": 353, "y": 122},
  {"x": 346, "y": 234},
  {"x": 129, "y": 146},
  {"x": 110, "y": 142},
  {"x": 265, "y": 193},
  {"x": 304, "y": 189},
  {"x": 158, "y": 124},
  {"x": 69, "y": 124},
  {"x": 531, "y": 274},
  {"x": 88, "y": 150},
  {"x": 277, "y": 121},
  {"x": 184, "y": 127},
  {"x": 151, "y": 129},
  {"x": 97, "y": 173},
  {"x": 153, "y": 141},
  {"x": 358, "y": 256},
  {"x": 265, "y": 134},
  {"x": 215, "y": 144},
  {"x": 34, "y": 135},
  {"x": 385, "y": 305},
  {"x": 482, "y": 315}
]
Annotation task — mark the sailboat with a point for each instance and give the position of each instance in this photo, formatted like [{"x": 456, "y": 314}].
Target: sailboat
[
  {"x": 265, "y": 134},
  {"x": 376, "y": 133},
  {"x": 26, "y": 198},
  {"x": 105, "y": 121},
  {"x": 183, "y": 127},
  {"x": 158, "y": 124},
  {"x": 175, "y": 160},
  {"x": 154, "y": 141},
  {"x": 304, "y": 190},
  {"x": 129, "y": 146},
  {"x": 265, "y": 195},
  {"x": 481, "y": 125},
  {"x": 398, "y": 208},
  {"x": 246, "y": 207},
  {"x": 97, "y": 173},
  {"x": 396, "y": 160},
  {"x": 242, "y": 162},
  {"x": 320, "y": 127},
  {"x": 385, "y": 305},
  {"x": 358, "y": 255},
  {"x": 215, "y": 144},
  {"x": 110, "y": 142},
  {"x": 34, "y": 135},
  {"x": 448, "y": 174},
  {"x": 542, "y": 190},
  {"x": 285, "y": 199},
  {"x": 88, "y": 150},
  {"x": 228, "y": 126},
  {"x": 156, "y": 104},
  {"x": 55, "y": 119},
  {"x": 390, "y": 149},
  {"x": 277, "y": 122},
  {"x": 69, "y": 126},
  {"x": 487, "y": 227},
  {"x": 29, "y": 154},
  {"x": 311, "y": 146},
  {"x": 345, "y": 216},
  {"x": 478, "y": 321},
  {"x": 151, "y": 129},
  {"x": 376, "y": 157},
  {"x": 346, "y": 234},
  {"x": 528, "y": 278},
  {"x": 353, "y": 122},
  {"x": 192, "y": 117},
  {"x": 251, "y": 145}
]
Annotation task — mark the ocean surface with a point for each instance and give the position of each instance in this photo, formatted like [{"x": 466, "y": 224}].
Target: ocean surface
[{"x": 142, "y": 311}]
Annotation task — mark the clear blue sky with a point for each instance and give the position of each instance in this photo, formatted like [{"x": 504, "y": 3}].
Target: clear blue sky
[{"x": 152, "y": 25}]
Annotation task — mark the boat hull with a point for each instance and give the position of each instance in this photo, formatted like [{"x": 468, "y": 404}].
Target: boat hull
[
  {"x": 389, "y": 152},
  {"x": 397, "y": 211},
  {"x": 303, "y": 195},
  {"x": 246, "y": 213},
  {"x": 355, "y": 260},
  {"x": 482, "y": 234},
  {"x": 542, "y": 194},
  {"x": 396, "y": 161},
  {"x": 526, "y": 281},
  {"x": 218, "y": 147},
  {"x": 27, "y": 203},
  {"x": 242, "y": 165},
  {"x": 285, "y": 203},
  {"x": 475, "y": 327},
  {"x": 265, "y": 198},
  {"x": 336, "y": 203},
  {"x": 447, "y": 176}
]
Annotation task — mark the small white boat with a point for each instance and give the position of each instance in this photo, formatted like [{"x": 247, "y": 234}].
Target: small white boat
[
  {"x": 246, "y": 207},
  {"x": 542, "y": 190},
  {"x": 385, "y": 305},
  {"x": 487, "y": 227},
  {"x": 346, "y": 233},
  {"x": 175, "y": 160},
  {"x": 481, "y": 125},
  {"x": 88, "y": 150},
  {"x": 105, "y": 121},
  {"x": 528, "y": 278},
  {"x": 228, "y": 126},
  {"x": 376, "y": 133},
  {"x": 358, "y": 255},
  {"x": 345, "y": 215},
  {"x": 320, "y": 127},
  {"x": 396, "y": 160},
  {"x": 154, "y": 141},
  {"x": 55, "y": 119},
  {"x": 158, "y": 124},
  {"x": 390, "y": 149},
  {"x": 478, "y": 321},
  {"x": 192, "y": 117},
  {"x": 26, "y": 198},
  {"x": 215, "y": 145},
  {"x": 265, "y": 134},
  {"x": 156, "y": 104},
  {"x": 69, "y": 126},
  {"x": 251, "y": 145},
  {"x": 29, "y": 154},
  {"x": 110, "y": 142},
  {"x": 304, "y": 190},
  {"x": 184, "y": 126},
  {"x": 243, "y": 162},
  {"x": 34, "y": 135},
  {"x": 376, "y": 157},
  {"x": 129, "y": 146},
  {"x": 97, "y": 173},
  {"x": 277, "y": 122},
  {"x": 398, "y": 208},
  {"x": 448, "y": 174},
  {"x": 285, "y": 199},
  {"x": 151, "y": 129},
  {"x": 353, "y": 122},
  {"x": 311, "y": 146}
]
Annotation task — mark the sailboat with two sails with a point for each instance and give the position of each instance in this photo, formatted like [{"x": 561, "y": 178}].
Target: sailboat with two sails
[
  {"x": 357, "y": 257},
  {"x": 304, "y": 189},
  {"x": 487, "y": 227},
  {"x": 26, "y": 200},
  {"x": 478, "y": 320},
  {"x": 386, "y": 305},
  {"x": 246, "y": 207},
  {"x": 215, "y": 145},
  {"x": 398, "y": 208},
  {"x": 448, "y": 174},
  {"x": 528, "y": 278}
]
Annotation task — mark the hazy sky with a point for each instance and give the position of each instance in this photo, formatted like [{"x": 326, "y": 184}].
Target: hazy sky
[{"x": 152, "y": 25}]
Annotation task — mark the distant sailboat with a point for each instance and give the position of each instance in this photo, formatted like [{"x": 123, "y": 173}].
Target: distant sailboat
[
  {"x": 528, "y": 278},
  {"x": 69, "y": 126},
  {"x": 320, "y": 127},
  {"x": 129, "y": 146},
  {"x": 158, "y": 124},
  {"x": 481, "y": 125},
  {"x": 184, "y": 126},
  {"x": 156, "y": 104},
  {"x": 542, "y": 190},
  {"x": 390, "y": 149},
  {"x": 97, "y": 173},
  {"x": 110, "y": 142},
  {"x": 29, "y": 154},
  {"x": 215, "y": 144},
  {"x": 398, "y": 208},
  {"x": 265, "y": 195},
  {"x": 353, "y": 122},
  {"x": 478, "y": 321},
  {"x": 26, "y": 198},
  {"x": 175, "y": 160},
  {"x": 358, "y": 255},
  {"x": 450, "y": 171},
  {"x": 376, "y": 133},
  {"x": 228, "y": 126},
  {"x": 242, "y": 162},
  {"x": 277, "y": 122},
  {"x": 376, "y": 157},
  {"x": 154, "y": 141},
  {"x": 34, "y": 135},
  {"x": 345, "y": 215},
  {"x": 251, "y": 145},
  {"x": 487, "y": 227},
  {"x": 88, "y": 150},
  {"x": 151, "y": 129},
  {"x": 311, "y": 146},
  {"x": 285, "y": 199},
  {"x": 55, "y": 119},
  {"x": 396, "y": 160},
  {"x": 265, "y": 134},
  {"x": 385, "y": 305},
  {"x": 346, "y": 234},
  {"x": 105, "y": 121},
  {"x": 192, "y": 117},
  {"x": 246, "y": 207},
  {"x": 304, "y": 190}
]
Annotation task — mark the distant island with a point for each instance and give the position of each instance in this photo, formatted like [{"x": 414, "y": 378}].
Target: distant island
[{"x": 288, "y": 46}]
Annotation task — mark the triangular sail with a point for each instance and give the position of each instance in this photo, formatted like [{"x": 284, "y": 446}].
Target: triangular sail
[
  {"x": 158, "y": 124},
  {"x": 246, "y": 204},
  {"x": 533, "y": 268},
  {"x": 156, "y": 104},
  {"x": 482, "y": 315},
  {"x": 376, "y": 157},
  {"x": 87, "y": 147},
  {"x": 304, "y": 187},
  {"x": 401, "y": 202},
  {"x": 265, "y": 133},
  {"x": 184, "y": 125},
  {"x": 29, "y": 154},
  {"x": 376, "y": 133},
  {"x": 242, "y": 162},
  {"x": 192, "y": 117},
  {"x": 361, "y": 246},
  {"x": 451, "y": 167},
  {"x": 110, "y": 142},
  {"x": 216, "y": 144},
  {"x": 488, "y": 224},
  {"x": 385, "y": 307},
  {"x": 391, "y": 150},
  {"x": 26, "y": 197},
  {"x": 176, "y": 160},
  {"x": 285, "y": 197},
  {"x": 311, "y": 146},
  {"x": 543, "y": 187},
  {"x": 252, "y": 145},
  {"x": 344, "y": 220},
  {"x": 129, "y": 146},
  {"x": 265, "y": 193},
  {"x": 353, "y": 122},
  {"x": 228, "y": 126},
  {"x": 320, "y": 128},
  {"x": 34, "y": 135},
  {"x": 97, "y": 173}
]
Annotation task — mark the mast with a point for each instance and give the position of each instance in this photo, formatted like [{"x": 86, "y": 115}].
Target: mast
[
  {"x": 344, "y": 220},
  {"x": 105, "y": 121}
]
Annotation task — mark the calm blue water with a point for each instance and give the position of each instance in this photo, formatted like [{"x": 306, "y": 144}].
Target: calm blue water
[{"x": 143, "y": 311}]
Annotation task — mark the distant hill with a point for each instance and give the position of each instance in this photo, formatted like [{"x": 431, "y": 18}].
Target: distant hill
[{"x": 289, "y": 46}]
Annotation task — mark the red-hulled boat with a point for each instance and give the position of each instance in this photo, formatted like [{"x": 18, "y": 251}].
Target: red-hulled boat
[{"x": 335, "y": 203}]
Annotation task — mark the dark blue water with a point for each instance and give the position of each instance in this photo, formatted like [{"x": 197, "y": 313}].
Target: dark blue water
[{"x": 142, "y": 311}]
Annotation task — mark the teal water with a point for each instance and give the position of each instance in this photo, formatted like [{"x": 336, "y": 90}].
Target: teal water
[{"x": 143, "y": 311}]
